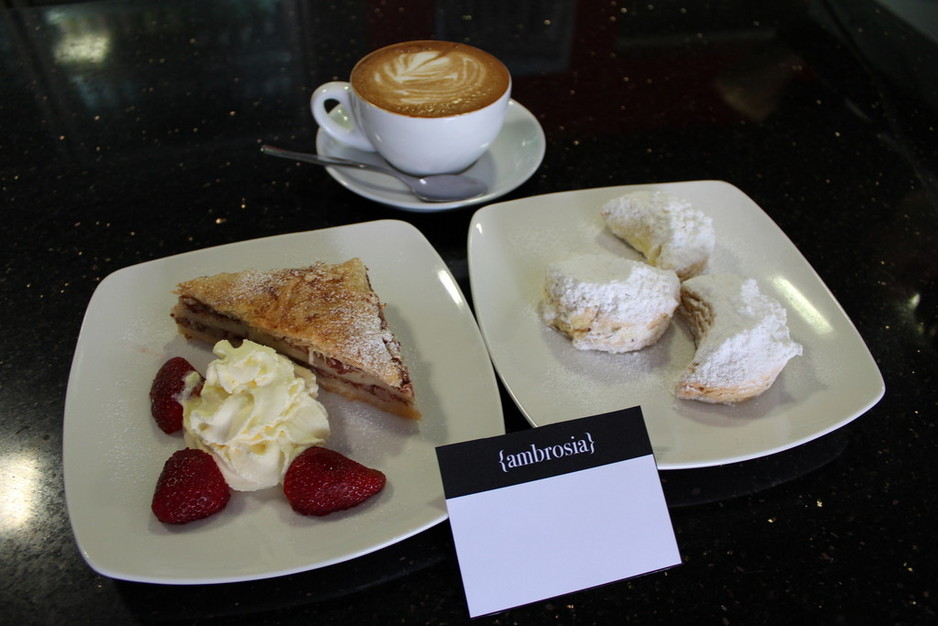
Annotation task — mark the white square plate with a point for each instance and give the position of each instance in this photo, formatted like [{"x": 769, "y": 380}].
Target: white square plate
[
  {"x": 113, "y": 451},
  {"x": 510, "y": 246}
]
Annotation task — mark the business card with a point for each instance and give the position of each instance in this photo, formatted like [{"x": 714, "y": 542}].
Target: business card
[{"x": 556, "y": 509}]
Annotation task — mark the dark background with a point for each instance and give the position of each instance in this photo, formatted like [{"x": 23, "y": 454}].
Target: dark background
[{"x": 130, "y": 131}]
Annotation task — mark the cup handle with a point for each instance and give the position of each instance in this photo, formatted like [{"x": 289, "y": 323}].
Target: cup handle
[{"x": 349, "y": 133}]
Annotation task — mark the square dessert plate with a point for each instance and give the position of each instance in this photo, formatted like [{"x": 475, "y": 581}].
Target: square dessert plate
[
  {"x": 113, "y": 451},
  {"x": 510, "y": 246}
]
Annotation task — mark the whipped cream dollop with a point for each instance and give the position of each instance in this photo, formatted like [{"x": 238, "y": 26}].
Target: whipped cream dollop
[{"x": 257, "y": 411}]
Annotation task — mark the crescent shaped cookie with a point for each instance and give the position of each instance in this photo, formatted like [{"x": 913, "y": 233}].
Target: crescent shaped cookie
[
  {"x": 609, "y": 303},
  {"x": 667, "y": 230},
  {"x": 742, "y": 338}
]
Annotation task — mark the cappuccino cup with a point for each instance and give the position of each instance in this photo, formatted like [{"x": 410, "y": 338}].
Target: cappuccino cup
[{"x": 427, "y": 107}]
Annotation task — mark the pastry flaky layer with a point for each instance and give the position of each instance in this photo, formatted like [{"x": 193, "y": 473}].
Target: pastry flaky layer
[{"x": 325, "y": 316}]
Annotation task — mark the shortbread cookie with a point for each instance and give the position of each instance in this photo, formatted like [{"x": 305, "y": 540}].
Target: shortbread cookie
[
  {"x": 609, "y": 303},
  {"x": 742, "y": 339},
  {"x": 668, "y": 230}
]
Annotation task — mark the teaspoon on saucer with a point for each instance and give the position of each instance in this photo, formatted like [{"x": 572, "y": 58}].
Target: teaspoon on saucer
[{"x": 435, "y": 188}]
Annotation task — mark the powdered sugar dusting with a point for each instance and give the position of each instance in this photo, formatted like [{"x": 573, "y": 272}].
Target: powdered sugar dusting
[
  {"x": 334, "y": 302},
  {"x": 609, "y": 303},
  {"x": 742, "y": 334},
  {"x": 668, "y": 230}
]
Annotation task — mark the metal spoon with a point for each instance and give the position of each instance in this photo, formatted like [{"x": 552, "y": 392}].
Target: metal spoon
[{"x": 435, "y": 188}]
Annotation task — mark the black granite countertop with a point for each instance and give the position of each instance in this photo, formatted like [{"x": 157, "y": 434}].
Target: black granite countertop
[{"x": 130, "y": 131}]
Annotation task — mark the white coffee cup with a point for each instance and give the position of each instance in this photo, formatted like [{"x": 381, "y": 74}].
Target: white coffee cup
[{"x": 427, "y": 107}]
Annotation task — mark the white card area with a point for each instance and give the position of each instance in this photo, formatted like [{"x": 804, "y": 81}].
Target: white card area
[{"x": 536, "y": 540}]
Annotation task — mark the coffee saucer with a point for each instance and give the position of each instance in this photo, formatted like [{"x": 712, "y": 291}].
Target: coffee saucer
[{"x": 511, "y": 159}]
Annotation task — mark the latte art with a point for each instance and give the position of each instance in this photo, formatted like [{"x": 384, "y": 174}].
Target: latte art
[
  {"x": 430, "y": 79},
  {"x": 422, "y": 79}
]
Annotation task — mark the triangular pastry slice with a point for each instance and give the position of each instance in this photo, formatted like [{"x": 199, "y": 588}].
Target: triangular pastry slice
[{"x": 324, "y": 316}]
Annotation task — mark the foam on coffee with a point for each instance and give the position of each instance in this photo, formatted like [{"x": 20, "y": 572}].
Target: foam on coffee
[{"x": 430, "y": 78}]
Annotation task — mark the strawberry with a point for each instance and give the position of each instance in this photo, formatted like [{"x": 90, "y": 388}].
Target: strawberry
[
  {"x": 169, "y": 391},
  {"x": 321, "y": 481},
  {"x": 190, "y": 487}
]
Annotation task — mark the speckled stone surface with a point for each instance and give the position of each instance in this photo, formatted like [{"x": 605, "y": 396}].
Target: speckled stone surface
[{"x": 131, "y": 132}]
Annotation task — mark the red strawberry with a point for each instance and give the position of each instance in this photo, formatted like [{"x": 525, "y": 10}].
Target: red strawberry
[
  {"x": 321, "y": 481},
  {"x": 169, "y": 391},
  {"x": 190, "y": 487}
]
